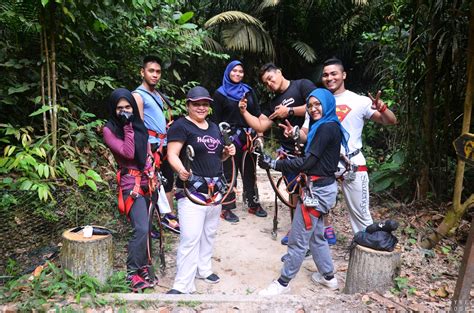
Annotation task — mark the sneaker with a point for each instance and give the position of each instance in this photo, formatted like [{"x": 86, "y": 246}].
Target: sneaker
[
  {"x": 258, "y": 211},
  {"x": 330, "y": 235},
  {"x": 174, "y": 292},
  {"x": 229, "y": 216},
  {"x": 150, "y": 278},
  {"x": 284, "y": 240},
  {"x": 319, "y": 279},
  {"x": 387, "y": 226},
  {"x": 211, "y": 279},
  {"x": 137, "y": 283},
  {"x": 274, "y": 289}
]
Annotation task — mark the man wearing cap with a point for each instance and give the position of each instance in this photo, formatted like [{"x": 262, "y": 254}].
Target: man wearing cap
[{"x": 200, "y": 188}]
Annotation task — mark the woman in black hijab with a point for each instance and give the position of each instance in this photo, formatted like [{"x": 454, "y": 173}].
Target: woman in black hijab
[{"x": 126, "y": 136}]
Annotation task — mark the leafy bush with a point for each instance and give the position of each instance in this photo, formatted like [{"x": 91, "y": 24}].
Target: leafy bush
[{"x": 49, "y": 285}]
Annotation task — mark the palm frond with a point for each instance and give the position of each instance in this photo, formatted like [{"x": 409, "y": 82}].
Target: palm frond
[
  {"x": 267, "y": 4},
  {"x": 249, "y": 38},
  {"x": 210, "y": 44},
  {"x": 233, "y": 16},
  {"x": 305, "y": 51}
]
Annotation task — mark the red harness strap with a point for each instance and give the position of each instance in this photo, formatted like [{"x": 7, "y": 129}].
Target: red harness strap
[
  {"x": 362, "y": 168},
  {"x": 125, "y": 206},
  {"x": 157, "y": 155},
  {"x": 306, "y": 212}
]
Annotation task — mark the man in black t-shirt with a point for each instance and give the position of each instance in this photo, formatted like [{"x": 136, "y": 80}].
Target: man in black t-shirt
[{"x": 289, "y": 104}]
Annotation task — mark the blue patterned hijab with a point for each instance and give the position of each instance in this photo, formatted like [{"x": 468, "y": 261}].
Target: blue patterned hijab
[
  {"x": 230, "y": 89},
  {"x": 328, "y": 102}
]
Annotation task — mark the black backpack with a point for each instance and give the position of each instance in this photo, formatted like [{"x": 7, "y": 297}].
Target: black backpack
[{"x": 379, "y": 240}]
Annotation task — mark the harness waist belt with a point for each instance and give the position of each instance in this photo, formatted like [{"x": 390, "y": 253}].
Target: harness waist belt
[
  {"x": 155, "y": 134},
  {"x": 307, "y": 211},
  {"x": 353, "y": 154},
  {"x": 361, "y": 168}
]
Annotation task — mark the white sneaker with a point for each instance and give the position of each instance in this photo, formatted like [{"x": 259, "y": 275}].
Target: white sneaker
[
  {"x": 275, "y": 288},
  {"x": 319, "y": 279}
]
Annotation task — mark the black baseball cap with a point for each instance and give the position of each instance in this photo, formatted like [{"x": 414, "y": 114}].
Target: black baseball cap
[{"x": 198, "y": 93}]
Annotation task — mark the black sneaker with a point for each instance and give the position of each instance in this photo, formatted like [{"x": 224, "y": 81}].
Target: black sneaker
[
  {"x": 211, "y": 279},
  {"x": 148, "y": 276},
  {"x": 387, "y": 226},
  {"x": 229, "y": 216},
  {"x": 174, "y": 292},
  {"x": 258, "y": 211}
]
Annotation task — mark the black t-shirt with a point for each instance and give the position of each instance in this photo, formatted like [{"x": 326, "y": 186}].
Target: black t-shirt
[
  {"x": 295, "y": 95},
  {"x": 227, "y": 110},
  {"x": 207, "y": 144},
  {"x": 323, "y": 155}
]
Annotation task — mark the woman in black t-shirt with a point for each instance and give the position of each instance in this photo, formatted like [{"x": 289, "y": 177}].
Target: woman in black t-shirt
[{"x": 198, "y": 222}]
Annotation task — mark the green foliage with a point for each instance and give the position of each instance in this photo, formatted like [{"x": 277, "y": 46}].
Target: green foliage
[
  {"x": 12, "y": 268},
  {"x": 411, "y": 234},
  {"x": 25, "y": 157},
  {"x": 401, "y": 286},
  {"x": 53, "y": 285},
  {"x": 25, "y": 160},
  {"x": 390, "y": 174}
]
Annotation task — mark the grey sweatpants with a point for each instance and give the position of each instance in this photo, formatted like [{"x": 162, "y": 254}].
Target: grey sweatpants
[{"x": 301, "y": 239}]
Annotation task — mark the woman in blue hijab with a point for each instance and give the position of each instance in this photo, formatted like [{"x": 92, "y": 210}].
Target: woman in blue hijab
[
  {"x": 325, "y": 137},
  {"x": 225, "y": 108}
]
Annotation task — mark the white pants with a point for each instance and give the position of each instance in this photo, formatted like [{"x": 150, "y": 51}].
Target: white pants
[
  {"x": 198, "y": 226},
  {"x": 356, "y": 194}
]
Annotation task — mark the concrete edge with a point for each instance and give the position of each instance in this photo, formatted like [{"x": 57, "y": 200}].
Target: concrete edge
[{"x": 202, "y": 298}]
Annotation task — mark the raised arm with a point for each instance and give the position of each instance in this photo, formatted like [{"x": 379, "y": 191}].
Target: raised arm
[
  {"x": 260, "y": 124},
  {"x": 383, "y": 115}
]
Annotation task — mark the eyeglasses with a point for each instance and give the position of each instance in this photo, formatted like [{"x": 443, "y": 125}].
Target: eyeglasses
[{"x": 314, "y": 105}]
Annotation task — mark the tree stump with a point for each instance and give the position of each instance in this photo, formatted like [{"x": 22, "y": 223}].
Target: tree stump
[
  {"x": 93, "y": 256},
  {"x": 371, "y": 270}
]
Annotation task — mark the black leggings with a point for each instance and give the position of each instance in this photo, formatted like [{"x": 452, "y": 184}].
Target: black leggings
[
  {"x": 139, "y": 245},
  {"x": 248, "y": 179}
]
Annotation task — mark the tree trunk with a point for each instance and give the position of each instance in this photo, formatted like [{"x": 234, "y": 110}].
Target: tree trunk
[
  {"x": 457, "y": 210},
  {"x": 93, "y": 256},
  {"x": 427, "y": 130},
  {"x": 371, "y": 270}
]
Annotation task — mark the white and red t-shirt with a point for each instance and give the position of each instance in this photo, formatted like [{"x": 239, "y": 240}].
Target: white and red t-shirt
[{"x": 352, "y": 110}]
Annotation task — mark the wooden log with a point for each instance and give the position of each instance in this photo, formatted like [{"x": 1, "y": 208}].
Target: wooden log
[
  {"x": 371, "y": 270},
  {"x": 93, "y": 256}
]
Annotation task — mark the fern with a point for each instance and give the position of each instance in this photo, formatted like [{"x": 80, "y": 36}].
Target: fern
[{"x": 305, "y": 51}]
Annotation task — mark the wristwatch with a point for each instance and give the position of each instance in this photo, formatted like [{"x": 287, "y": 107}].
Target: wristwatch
[{"x": 291, "y": 112}]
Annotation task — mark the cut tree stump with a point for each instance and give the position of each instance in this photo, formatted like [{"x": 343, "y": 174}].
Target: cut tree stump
[
  {"x": 371, "y": 270},
  {"x": 93, "y": 256}
]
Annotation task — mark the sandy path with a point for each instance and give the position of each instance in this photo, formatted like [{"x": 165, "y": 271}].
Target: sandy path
[{"x": 246, "y": 257}]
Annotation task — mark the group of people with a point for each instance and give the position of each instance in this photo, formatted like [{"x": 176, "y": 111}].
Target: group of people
[{"x": 330, "y": 120}]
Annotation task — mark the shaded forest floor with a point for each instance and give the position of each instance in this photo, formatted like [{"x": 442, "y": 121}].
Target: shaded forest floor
[{"x": 247, "y": 259}]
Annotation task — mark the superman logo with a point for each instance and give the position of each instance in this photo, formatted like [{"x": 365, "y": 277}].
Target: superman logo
[{"x": 341, "y": 111}]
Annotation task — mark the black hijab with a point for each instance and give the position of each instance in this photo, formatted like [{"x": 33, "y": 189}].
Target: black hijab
[{"x": 139, "y": 129}]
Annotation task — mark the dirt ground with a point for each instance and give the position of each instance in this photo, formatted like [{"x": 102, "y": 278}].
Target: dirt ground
[{"x": 247, "y": 259}]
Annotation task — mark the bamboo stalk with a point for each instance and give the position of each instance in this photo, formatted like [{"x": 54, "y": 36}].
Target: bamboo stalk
[{"x": 54, "y": 120}]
